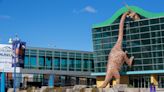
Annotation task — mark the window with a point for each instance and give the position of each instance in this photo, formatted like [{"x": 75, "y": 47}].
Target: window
[
  {"x": 144, "y": 22},
  {"x": 49, "y": 53},
  {"x": 78, "y": 65},
  {"x": 113, "y": 27},
  {"x": 145, "y": 42},
  {"x": 63, "y": 64},
  {"x": 146, "y": 48},
  {"x": 71, "y": 64},
  {"x": 48, "y": 63},
  {"x": 136, "y": 49},
  {"x": 135, "y": 43},
  {"x": 158, "y": 67},
  {"x": 144, "y": 29},
  {"x": 106, "y": 46},
  {"x": 157, "y": 54},
  {"x": 146, "y": 55},
  {"x": 162, "y": 33},
  {"x": 33, "y": 62},
  {"x": 99, "y": 35},
  {"x": 148, "y": 67},
  {"x": 41, "y": 62},
  {"x": 155, "y": 27},
  {"x": 86, "y": 55},
  {"x": 41, "y": 53},
  {"x": 154, "y": 21},
  {"x": 26, "y": 61},
  {"x": 57, "y": 54},
  {"x": 106, "y": 34},
  {"x": 136, "y": 36},
  {"x": 137, "y": 68},
  {"x": 91, "y": 65},
  {"x": 106, "y": 40},
  {"x": 158, "y": 61},
  {"x": 145, "y": 35},
  {"x": 57, "y": 63},
  {"x": 72, "y": 55},
  {"x": 98, "y": 41},
  {"x": 114, "y": 39},
  {"x": 134, "y": 30},
  {"x": 78, "y": 55},
  {"x": 156, "y": 40},
  {"x": 156, "y": 47},
  {"x": 104, "y": 29},
  {"x": 108, "y": 28},
  {"x": 64, "y": 54},
  {"x": 156, "y": 34},
  {"x": 97, "y": 30},
  {"x": 33, "y": 52},
  {"x": 161, "y": 20},
  {"x": 114, "y": 33},
  {"x": 137, "y": 62},
  {"x": 133, "y": 24},
  {"x": 162, "y": 26},
  {"x": 147, "y": 61},
  {"x": 86, "y": 65}
]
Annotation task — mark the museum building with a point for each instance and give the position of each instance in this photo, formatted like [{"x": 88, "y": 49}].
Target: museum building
[{"x": 143, "y": 39}]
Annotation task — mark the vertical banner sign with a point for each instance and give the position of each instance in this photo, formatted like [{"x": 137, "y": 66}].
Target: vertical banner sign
[{"x": 19, "y": 51}]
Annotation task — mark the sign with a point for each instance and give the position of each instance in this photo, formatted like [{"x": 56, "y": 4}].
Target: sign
[{"x": 6, "y": 58}]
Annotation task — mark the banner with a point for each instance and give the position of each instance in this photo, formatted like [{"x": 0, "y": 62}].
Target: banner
[{"x": 19, "y": 53}]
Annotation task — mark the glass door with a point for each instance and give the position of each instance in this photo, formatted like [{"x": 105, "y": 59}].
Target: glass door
[{"x": 161, "y": 81}]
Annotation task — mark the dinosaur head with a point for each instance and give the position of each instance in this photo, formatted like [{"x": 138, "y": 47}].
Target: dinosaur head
[{"x": 133, "y": 15}]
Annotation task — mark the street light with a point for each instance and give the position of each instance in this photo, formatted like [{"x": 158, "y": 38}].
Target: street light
[{"x": 18, "y": 48}]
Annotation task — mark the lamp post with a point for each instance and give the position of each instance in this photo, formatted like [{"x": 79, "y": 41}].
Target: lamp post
[
  {"x": 15, "y": 42},
  {"x": 18, "y": 48}
]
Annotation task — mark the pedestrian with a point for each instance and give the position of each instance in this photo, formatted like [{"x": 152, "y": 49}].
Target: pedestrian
[{"x": 152, "y": 87}]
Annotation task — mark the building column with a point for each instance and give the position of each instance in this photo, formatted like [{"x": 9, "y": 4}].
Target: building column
[
  {"x": 51, "y": 81},
  {"x": 67, "y": 80},
  {"x": 77, "y": 80},
  {"x": 154, "y": 79},
  {"x": 2, "y": 74},
  {"x": 88, "y": 81},
  {"x": 100, "y": 80},
  {"x": 114, "y": 82}
]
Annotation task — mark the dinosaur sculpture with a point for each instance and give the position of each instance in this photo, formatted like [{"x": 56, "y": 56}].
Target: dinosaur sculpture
[{"x": 117, "y": 56}]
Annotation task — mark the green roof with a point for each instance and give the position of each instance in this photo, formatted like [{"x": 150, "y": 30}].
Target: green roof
[{"x": 123, "y": 10}]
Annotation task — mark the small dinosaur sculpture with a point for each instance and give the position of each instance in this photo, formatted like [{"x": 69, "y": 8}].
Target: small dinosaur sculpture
[{"x": 117, "y": 56}]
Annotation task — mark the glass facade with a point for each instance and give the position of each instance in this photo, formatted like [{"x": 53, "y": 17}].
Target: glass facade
[
  {"x": 55, "y": 59},
  {"x": 143, "y": 39},
  {"x": 139, "y": 81}
]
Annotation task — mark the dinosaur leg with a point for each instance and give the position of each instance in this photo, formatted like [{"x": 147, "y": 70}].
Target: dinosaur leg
[
  {"x": 116, "y": 76},
  {"x": 108, "y": 77},
  {"x": 127, "y": 60}
]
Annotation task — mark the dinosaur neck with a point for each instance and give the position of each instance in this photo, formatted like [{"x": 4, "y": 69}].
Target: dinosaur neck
[{"x": 120, "y": 34}]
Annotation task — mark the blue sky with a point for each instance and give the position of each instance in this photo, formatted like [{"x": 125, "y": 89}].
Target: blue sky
[{"x": 62, "y": 24}]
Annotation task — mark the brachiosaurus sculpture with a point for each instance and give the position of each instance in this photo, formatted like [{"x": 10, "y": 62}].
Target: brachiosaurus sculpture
[{"x": 117, "y": 56}]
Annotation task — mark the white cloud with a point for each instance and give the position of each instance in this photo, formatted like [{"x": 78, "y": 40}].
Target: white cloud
[
  {"x": 5, "y": 17},
  {"x": 87, "y": 9},
  {"x": 90, "y": 9}
]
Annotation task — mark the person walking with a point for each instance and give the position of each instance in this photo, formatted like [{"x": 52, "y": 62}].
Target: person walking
[{"x": 152, "y": 87}]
